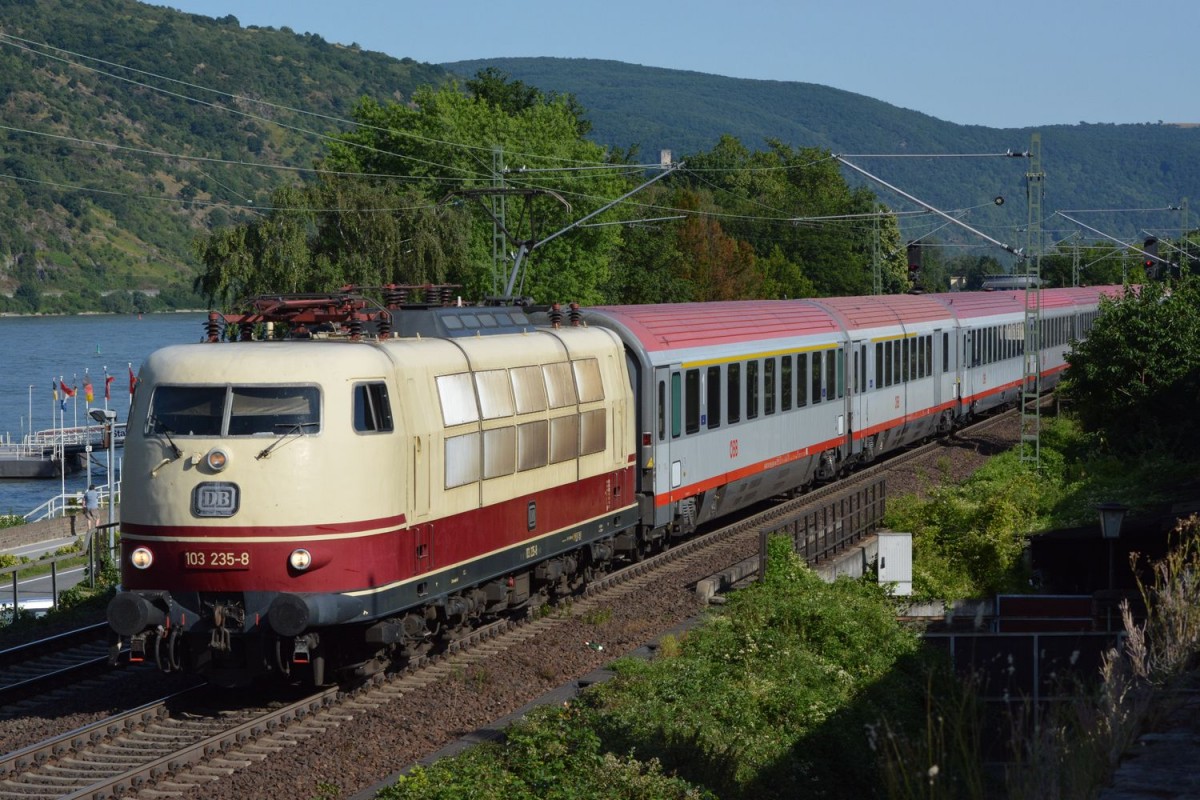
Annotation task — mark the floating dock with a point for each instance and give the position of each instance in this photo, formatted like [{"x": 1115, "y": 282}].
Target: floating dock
[{"x": 45, "y": 454}]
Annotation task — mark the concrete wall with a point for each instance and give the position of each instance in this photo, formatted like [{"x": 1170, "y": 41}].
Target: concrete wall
[{"x": 42, "y": 531}]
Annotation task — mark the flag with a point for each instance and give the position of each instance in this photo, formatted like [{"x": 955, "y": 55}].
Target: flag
[
  {"x": 132, "y": 379},
  {"x": 108, "y": 379},
  {"x": 87, "y": 388},
  {"x": 67, "y": 391},
  {"x": 54, "y": 388}
]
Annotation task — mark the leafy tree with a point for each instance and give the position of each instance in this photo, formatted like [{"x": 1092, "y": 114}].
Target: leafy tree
[{"x": 1136, "y": 378}]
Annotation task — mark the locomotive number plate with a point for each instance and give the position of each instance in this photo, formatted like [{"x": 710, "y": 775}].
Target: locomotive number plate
[{"x": 216, "y": 559}]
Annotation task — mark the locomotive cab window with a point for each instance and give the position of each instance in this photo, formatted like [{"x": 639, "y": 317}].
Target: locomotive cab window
[
  {"x": 372, "y": 411},
  {"x": 234, "y": 410}
]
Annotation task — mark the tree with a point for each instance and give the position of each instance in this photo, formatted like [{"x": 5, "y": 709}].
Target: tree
[{"x": 1136, "y": 378}]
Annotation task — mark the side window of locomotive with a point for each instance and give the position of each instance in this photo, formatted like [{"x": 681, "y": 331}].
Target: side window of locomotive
[
  {"x": 564, "y": 438},
  {"x": 560, "y": 384},
  {"x": 462, "y": 460},
  {"x": 274, "y": 410},
  {"x": 495, "y": 393},
  {"x": 457, "y": 396},
  {"x": 372, "y": 410},
  {"x": 529, "y": 389},
  {"x": 499, "y": 452},
  {"x": 587, "y": 380},
  {"x": 692, "y": 399},
  {"x": 592, "y": 433},
  {"x": 186, "y": 411},
  {"x": 532, "y": 444},
  {"x": 712, "y": 390}
]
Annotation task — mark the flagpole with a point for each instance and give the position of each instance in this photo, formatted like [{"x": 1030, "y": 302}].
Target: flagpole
[{"x": 62, "y": 453}]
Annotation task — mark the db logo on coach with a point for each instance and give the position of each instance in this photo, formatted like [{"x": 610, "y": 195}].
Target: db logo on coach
[{"x": 733, "y": 448}]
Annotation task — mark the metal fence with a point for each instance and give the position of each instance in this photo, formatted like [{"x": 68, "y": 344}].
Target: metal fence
[
  {"x": 828, "y": 530},
  {"x": 36, "y": 585}
]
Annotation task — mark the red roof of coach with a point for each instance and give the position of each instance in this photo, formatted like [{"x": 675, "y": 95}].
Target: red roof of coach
[{"x": 669, "y": 327}]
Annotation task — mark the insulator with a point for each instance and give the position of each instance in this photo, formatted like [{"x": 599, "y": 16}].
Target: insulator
[
  {"x": 395, "y": 296},
  {"x": 556, "y": 315},
  {"x": 576, "y": 316},
  {"x": 212, "y": 328},
  {"x": 385, "y": 326},
  {"x": 355, "y": 329},
  {"x": 446, "y": 295}
]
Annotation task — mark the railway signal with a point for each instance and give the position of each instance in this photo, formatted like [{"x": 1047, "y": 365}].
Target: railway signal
[{"x": 914, "y": 262}]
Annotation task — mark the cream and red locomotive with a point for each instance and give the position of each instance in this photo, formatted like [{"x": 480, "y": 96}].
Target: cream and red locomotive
[{"x": 384, "y": 477}]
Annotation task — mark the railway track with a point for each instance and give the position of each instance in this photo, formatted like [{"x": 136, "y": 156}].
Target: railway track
[
  {"x": 33, "y": 668},
  {"x": 167, "y": 747}
]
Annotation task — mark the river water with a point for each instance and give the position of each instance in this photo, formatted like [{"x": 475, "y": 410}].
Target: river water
[{"x": 36, "y": 352}]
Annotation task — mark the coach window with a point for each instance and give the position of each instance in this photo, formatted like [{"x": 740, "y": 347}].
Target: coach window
[
  {"x": 712, "y": 389},
  {"x": 662, "y": 410},
  {"x": 785, "y": 383},
  {"x": 676, "y": 405},
  {"x": 817, "y": 360},
  {"x": 692, "y": 400},
  {"x": 751, "y": 389},
  {"x": 372, "y": 411},
  {"x": 928, "y": 356},
  {"x": 879, "y": 361},
  {"x": 733, "y": 393},
  {"x": 905, "y": 352},
  {"x": 945, "y": 352},
  {"x": 769, "y": 386},
  {"x": 801, "y": 380},
  {"x": 834, "y": 376}
]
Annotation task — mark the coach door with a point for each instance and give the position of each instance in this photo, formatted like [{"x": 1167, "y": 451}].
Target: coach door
[
  {"x": 935, "y": 369},
  {"x": 668, "y": 424}
]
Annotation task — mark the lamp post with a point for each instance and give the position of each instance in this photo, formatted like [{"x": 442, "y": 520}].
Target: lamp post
[
  {"x": 107, "y": 417},
  {"x": 1111, "y": 516}
]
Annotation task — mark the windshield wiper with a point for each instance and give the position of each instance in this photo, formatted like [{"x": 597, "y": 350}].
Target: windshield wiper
[
  {"x": 283, "y": 437},
  {"x": 157, "y": 426}
]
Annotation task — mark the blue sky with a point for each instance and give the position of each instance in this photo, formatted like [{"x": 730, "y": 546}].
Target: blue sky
[{"x": 1007, "y": 64}]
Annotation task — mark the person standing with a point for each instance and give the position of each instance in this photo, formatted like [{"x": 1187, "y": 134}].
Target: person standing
[{"x": 91, "y": 506}]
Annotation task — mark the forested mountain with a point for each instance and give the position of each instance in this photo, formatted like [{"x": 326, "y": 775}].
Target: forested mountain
[
  {"x": 130, "y": 130},
  {"x": 1086, "y": 166},
  {"x": 123, "y": 137}
]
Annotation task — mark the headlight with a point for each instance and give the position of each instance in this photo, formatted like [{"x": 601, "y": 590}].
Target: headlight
[
  {"x": 216, "y": 459},
  {"x": 300, "y": 559},
  {"x": 141, "y": 558}
]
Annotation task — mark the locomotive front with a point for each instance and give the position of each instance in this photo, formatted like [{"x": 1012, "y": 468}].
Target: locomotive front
[{"x": 258, "y": 492}]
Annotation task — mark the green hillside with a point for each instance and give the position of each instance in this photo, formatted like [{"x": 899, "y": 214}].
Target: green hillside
[
  {"x": 130, "y": 128},
  {"x": 116, "y": 153},
  {"x": 1087, "y": 166}
]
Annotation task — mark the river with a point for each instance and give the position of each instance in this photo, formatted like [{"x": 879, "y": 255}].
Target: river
[{"x": 36, "y": 352}]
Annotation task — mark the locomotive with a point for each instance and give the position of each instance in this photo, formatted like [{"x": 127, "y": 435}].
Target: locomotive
[{"x": 330, "y": 484}]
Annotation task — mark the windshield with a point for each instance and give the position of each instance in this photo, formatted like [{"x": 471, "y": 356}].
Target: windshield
[{"x": 234, "y": 410}]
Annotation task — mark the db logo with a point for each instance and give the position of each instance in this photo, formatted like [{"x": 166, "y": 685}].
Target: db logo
[{"x": 733, "y": 448}]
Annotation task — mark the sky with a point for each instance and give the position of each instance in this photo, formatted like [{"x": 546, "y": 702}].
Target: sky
[{"x": 1009, "y": 64}]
